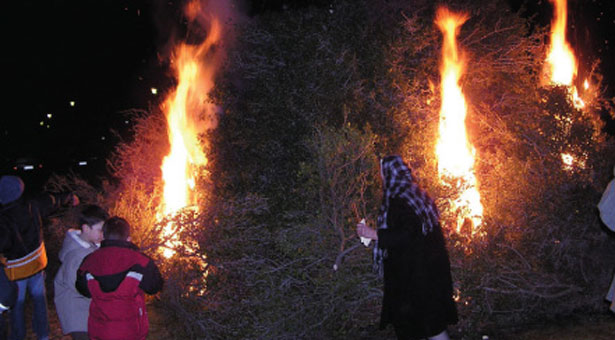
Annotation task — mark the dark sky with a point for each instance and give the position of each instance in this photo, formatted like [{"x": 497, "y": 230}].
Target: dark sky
[{"x": 102, "y": 54}]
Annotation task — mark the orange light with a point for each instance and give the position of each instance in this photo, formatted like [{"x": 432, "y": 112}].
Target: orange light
[
  {"x": 188, "y": 113},
  {"x": 561, "y": 66},
  {"x": 454, "y": 152}
]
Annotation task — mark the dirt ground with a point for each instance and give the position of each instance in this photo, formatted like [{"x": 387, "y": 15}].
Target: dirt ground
[{"x": 581, "y": 327}]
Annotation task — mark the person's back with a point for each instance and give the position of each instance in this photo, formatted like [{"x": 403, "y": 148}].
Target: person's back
[
  {"x": 116, "y": 276},
  {"x": 72, "y": 307},
  {"x": 24, "y": 252}
]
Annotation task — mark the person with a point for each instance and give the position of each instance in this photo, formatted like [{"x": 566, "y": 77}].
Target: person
[
  {"x": 72, "y": 307},
  {"x": 8, "y": 292},
  {"x": 606, "y": 207},
  {"x": 116, "y": 276},
  {"x": 25, "y": 253},
  {"x": 410, "y": 254}
]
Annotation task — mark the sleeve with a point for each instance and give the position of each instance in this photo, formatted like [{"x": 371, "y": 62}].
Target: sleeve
[
  {"x": 152, "y": 281},
  {"x": 72, "y": 267},
  {"x": 403, "y": 226},
  {"x": 81, "y": 283}
]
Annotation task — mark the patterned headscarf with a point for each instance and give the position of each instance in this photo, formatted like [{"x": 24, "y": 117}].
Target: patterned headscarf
[{"x": 398, "y": 182}]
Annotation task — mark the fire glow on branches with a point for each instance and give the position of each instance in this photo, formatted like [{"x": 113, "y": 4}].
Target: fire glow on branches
[{"x": 454, "y": 153}]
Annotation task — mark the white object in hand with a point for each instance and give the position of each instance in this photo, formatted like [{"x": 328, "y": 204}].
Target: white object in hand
[{"x": 365, "y": 240}]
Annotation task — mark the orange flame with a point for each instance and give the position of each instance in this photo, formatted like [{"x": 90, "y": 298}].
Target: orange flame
[
  {"x": 453, "y": 150},
  {"x": 185, "y": 109},
  {"x": 561, "y": 66}
]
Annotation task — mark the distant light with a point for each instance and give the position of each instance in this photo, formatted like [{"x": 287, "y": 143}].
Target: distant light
[
  {"x": 42, "y": 123},
  {"x": 103, "y": 138},
  {"x": 126, "y": 122},
  {"x": 72, "y": 103},
  {"x": 154, "y": 90},
  {"x": 82, "y": 163},
  {"x": 28, "y": 167},
  {"x": 48, "y": 126},
  {"x": 49, "y": 115}
]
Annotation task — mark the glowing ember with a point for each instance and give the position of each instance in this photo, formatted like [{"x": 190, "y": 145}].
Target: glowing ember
[
  {"x": 454, "y": 152},
  {"x": 185, "y": 108},
  {"x": 567, "y": 159},
  {"x": 561, "y": 66}
]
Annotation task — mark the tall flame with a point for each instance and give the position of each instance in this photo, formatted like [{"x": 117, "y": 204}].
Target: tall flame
[
  {"x": 561, "y": 63},
  {"x": 561, "y": 66},
  {"x": 188, "y": 114},
  {"x": 453, "y": 150}
]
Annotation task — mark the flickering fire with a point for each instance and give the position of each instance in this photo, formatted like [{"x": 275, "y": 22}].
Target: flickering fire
[
  {"x": 454, "y": 152},
  {"x": 188, "y": 114},
  {"x": 561, "y": 66}
]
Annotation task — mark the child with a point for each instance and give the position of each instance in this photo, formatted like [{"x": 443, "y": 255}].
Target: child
[
  {"x": 116, "y": 276},
  {"x": 71, "y": 306}
]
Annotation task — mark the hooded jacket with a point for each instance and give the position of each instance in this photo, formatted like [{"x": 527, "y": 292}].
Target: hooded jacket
[
  {"x": 116, "y": 276},
  {"x": 22, "y": 221},
  {"x": 607, "y": 205},
  {"x": 72, "y": 307}
]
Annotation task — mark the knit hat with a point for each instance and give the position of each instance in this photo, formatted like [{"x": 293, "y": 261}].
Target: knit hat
[{"x": 11, "y": 188}]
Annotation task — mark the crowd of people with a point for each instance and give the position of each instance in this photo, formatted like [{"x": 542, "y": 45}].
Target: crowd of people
[{"x": 100, "y": 286}]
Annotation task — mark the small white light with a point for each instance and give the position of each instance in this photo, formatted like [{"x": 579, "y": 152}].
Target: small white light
[
  {"x": 82, "y": 163},
  {"x": 154, "y": 90},
  {"x": 103, "y": 138},
  {"x": 49, "y": 115},
  {"x": 72, "y": 103},
  {"x": 28, "y": 167},
  {"x": 42, "y": 123}
]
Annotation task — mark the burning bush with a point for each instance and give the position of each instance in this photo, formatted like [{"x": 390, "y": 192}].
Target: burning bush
[{"x": 308, "y": 98}]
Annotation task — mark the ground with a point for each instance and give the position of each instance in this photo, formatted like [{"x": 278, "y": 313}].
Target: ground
[{"x": 581, "y": 327}]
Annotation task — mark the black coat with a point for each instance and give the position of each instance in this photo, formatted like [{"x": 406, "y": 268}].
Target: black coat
[
  {"x": 21, "y": 222},
  {"x": 418, "y": 294}
]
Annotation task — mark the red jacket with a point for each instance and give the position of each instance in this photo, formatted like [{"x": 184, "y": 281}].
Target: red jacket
[{"x": 116, "y": 277}]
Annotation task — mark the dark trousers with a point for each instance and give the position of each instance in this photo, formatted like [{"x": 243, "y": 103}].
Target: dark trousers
[{"x": 2, "y": 326}]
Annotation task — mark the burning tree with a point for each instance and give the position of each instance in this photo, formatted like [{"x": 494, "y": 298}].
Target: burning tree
[
  {"x": 539, "y": 225},
  {"x": 307, "y": 100}
]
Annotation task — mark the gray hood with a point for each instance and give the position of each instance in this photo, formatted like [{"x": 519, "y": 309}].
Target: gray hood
[{"x": 71, "y": 242}]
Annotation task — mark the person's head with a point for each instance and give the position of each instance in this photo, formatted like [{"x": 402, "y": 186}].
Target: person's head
[
  {"x": 11, "y": 189},
  {"x": 393, "y": 169},
  {"x": 91, "y": 220},
  {"x": 116, "y": 228}
]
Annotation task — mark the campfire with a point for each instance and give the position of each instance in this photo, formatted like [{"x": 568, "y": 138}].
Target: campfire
[
  {"x": 561, "y": 65},
  {"x": 454, "y": 152},
  {"x": 188, "y": 113}
]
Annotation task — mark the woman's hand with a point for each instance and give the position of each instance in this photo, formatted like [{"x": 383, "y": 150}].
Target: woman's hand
[{"x": 367, "y": 232}]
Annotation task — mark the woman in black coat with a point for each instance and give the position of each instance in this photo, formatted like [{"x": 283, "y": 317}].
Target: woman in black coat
[{"x": 410, "y": 253}]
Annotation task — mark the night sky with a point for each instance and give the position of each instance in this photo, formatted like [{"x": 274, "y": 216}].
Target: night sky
[{"x": 106, "y": 56}]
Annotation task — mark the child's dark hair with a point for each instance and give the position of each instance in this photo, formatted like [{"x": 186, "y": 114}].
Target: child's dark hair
[
  {"x": 92, "y": 214},
  {"x": 116, "y": 228}
]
